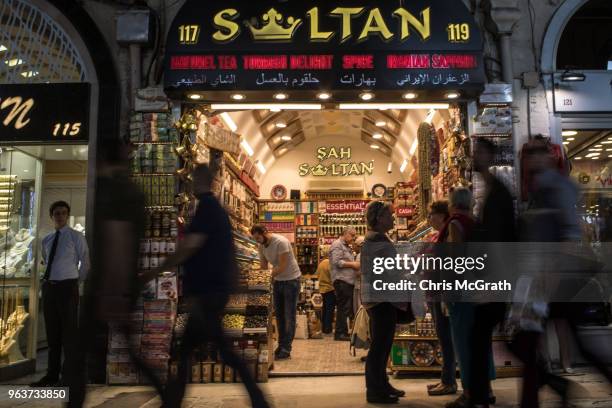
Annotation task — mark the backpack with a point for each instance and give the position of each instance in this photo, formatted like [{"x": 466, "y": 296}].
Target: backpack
[{"x": 360, "y": 335}]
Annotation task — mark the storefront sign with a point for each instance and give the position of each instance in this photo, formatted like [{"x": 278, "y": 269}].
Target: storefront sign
[
  {"x": 44, "y": 113},
  {"x": 343, "y": 167},
  {"x": 346, "y": 206},
  {"x": 404, "y": 211},
  {"x": 593, "y": 175},
  {"x": 348, "y": 45}
]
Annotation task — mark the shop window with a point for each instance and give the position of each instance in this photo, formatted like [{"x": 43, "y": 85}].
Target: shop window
[{"x": 19, "y": 186}]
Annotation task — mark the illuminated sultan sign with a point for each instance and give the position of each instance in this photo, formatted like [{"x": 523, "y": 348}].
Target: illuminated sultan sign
[
  {"x": 40, "y": 113},
  {"x": 341, "y": 166},
  {"x": 347, "y": 45}
]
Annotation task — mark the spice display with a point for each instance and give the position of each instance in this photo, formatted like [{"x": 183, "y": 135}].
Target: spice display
[
  {"x": 255, "y": 321},
  {"x": 261, "y": 299},
  {"x": 233, "y": 321},
  {"x": 260, "y": 278},
  {"x": 237, "y": 301}
]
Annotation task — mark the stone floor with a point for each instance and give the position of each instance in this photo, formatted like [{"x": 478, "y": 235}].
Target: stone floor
[
  {"x": 323, "y": 392},
  {"x": 323, "y": 356}
]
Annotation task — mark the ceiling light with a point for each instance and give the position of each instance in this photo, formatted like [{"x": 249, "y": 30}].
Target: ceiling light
[
  {"x": 382, "y": 106},
  {"x": 377, "y": 136},
  {"x": 366, "y": 96},
  {"x": 570, "y": 139},
  {"x": 390, "y": 167},
  {"x": 59, "y": 150},
  {"x": 598, "y": 145},
  {"x": 323, "y": 96},
  {"x": 403, "y": 166},
  {"x": 229, "y": 122},
  {"x": 264, "y": 106},
  {"x": 607, "y": 142},
  {"x": 14, "y": 62},
  {"x": 568, "y": 76},
  {"x": 280, "y": 125},
  {"x": 261, "y": 167},
  {"x": 595, "y": 158},
  {"x": 237, "y": 97},
  {"x": 194, "y": 96},
  {"x": 247, "y": 147},
  {"x": 595, "y": 150},
  {"x": 566, "y": 143},
  {"x": 569, "y": 133},
  {"x": 409, "y": 95},
  {"x": 3, "y": 48},
  {"x": 380, "y": 123},
  {"x": 29, "y": 74},
  {"x": 577, "y": 158},
  {"x": 375, "y": 146},
  {"x": 282, "y": 151},
  {"x": 452, "y": 95},
  {"x": 280, "y": 96},
  {"x": 286, "y": 138},
  {"x": 608, "y": 150}
]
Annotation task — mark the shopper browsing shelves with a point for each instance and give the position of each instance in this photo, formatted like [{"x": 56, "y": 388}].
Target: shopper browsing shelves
[
  {"x": 276, "y": 250},
  {"x": 344, "y": 274},
  {"x": 329, "y": 297}
]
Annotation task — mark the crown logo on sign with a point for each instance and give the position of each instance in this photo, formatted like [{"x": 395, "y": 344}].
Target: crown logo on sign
[{"x": 273, "y": 28}]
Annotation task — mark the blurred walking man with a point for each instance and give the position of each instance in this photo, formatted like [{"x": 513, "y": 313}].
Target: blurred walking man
[{"x": 207, "y": 252}]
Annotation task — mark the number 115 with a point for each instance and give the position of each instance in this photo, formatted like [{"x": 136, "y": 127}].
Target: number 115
[{"x": 67, "y": 129}]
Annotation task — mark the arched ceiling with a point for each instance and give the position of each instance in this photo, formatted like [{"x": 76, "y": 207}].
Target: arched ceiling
[{"x": 274, "y": 134}]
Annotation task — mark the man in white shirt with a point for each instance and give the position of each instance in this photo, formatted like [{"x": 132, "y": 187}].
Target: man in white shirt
[
  {"x": 66, "y": 256},
  {"x": 276, "y": 249}
]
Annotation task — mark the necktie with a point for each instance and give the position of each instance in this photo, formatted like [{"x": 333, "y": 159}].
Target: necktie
[{"x": 51, "y": 256}]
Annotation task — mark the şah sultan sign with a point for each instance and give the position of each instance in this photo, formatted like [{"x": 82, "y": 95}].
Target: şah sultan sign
[
  {"x": 347, "y": 45},
  {"x": 341, "y": 168}
]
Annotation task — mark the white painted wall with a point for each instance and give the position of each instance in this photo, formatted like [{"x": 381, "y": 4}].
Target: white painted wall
[{"x": 285, "y": 169}]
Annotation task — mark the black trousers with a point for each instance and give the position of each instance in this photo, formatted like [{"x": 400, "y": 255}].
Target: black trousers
[
  {"x": 344, "y": 302},
  {"x": 486, "y": 317},
  {"x": 383, "y": 318},
  {"x": 60, "y": 301},
  {"x": 329, "y": 305},
  {"x": 204, "y": 325}
]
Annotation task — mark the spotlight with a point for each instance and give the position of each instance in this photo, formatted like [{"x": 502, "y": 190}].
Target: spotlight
[
  {"x": 324, "y": 96},
  {"x": 377, "y": 136},
  {"x": 195, "y": 97},
  {"x": 280, "y": 96},
  {"x": 280, "y": 125},
  {"x": 569, "y": 133},
  {"x": 410, "y": 95},
  {"x": 381, "y": 123},
  {"x": 568, "y": 76},
  {"x": 286, "y": 138},
  {"x": 366, "y": 96},
  {"x": 375, "y": 146},
  {"x": 237, "y": 97},
  {"x": 452, "y": 95}
]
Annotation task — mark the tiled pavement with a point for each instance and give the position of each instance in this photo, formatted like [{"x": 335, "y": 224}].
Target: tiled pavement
[{"x": 322, "y": 392}]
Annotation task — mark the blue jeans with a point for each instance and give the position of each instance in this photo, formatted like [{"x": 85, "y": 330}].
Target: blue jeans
[
  {"x": 443, "y": 330},
  {"x": 285, "y": 304}
]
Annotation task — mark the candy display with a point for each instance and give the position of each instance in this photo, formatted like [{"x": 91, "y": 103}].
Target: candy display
[
  {"x": 152, "y": 127},
  {"x": 233, "y": 321},
  {"x": 259, "y": 279},
  {"x": 256, "y": 321},
  {"x": 154, "y": 158},
  {"x": 237, "y": 301}
]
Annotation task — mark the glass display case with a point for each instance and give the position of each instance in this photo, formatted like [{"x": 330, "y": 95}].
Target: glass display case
[{"x": 20, "y": 184}]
